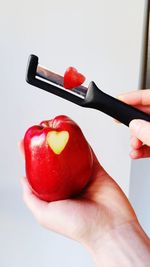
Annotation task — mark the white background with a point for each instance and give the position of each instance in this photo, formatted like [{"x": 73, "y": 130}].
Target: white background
[{"x": 103, "y": 40}]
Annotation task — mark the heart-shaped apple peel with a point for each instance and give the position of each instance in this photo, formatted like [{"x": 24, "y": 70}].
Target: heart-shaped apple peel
[
  {"x": 73, "y": 78},
  {"x": 57, "y": 140}
]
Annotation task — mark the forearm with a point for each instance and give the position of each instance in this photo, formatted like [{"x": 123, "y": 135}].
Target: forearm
[{"x": 127, "y": 246}]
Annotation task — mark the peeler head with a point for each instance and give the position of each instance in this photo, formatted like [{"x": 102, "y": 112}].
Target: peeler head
[
  {"x": 51, "y": 82},
  {"x": 31, "y": 68}
]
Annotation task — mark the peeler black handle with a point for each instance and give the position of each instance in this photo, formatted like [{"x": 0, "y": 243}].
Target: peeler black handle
[
  {"x": 91, "y": 97},
  {"x": 111, "y": 106}
]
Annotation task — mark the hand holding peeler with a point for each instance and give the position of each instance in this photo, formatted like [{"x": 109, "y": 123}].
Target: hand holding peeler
[{"x": 89, "y": 97}]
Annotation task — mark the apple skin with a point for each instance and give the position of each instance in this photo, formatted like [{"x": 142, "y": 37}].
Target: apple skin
[
  {"x": 55, "y": 176},
  {"x": 73, "y": 78}
]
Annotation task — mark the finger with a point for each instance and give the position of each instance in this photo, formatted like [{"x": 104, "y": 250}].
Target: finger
[
  {"x": 145, "y": 108},
  {"x": 135, "y": 142},
  {"x": 98, "y": 170},
  {"x": 141, "y": 129},
  {"x": 25, "y": 185},
  {"x": 136, "y": 154},
  {"x": 143, "y": 152},
  {"x": 36, "y": 205},
  {"x": 21, "y": 147},
  {"x": 52, "y": 215},
  {"x": 116, "y": 121},
  {"x": 139, "y": 97}
]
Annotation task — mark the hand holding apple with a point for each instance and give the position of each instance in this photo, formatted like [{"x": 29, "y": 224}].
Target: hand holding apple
[
  {"x": 58, "y": 159},
  {"x": 101, "y": 219}
]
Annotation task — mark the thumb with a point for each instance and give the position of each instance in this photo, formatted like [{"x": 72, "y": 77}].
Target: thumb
[{"x": 141, "y": 129}]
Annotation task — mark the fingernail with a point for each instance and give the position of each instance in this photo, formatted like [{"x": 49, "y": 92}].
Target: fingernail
[{"x": 135, "y": 125}]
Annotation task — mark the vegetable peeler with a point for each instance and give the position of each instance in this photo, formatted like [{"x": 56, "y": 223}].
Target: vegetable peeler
[{"x": 89, "y": 97}]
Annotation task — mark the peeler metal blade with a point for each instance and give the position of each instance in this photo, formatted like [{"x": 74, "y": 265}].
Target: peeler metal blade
[{"x": 49, "y": 81}]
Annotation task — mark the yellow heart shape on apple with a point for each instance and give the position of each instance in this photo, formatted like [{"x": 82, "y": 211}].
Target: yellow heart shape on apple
[{"x": 57, "y": 140}]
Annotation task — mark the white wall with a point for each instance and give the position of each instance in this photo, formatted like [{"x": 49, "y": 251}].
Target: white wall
[
  {"x": 139, "y": 191},
  {"x": 103, "y": 40},
  {"x": 139, "y": 188}
]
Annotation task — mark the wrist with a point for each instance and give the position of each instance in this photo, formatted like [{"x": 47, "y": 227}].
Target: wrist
[{"x": 126, "y": 246}]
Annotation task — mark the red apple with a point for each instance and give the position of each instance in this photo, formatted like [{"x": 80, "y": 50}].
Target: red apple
[{"x": 58, "y": 159}]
